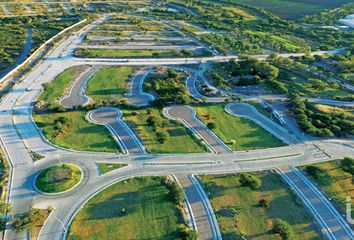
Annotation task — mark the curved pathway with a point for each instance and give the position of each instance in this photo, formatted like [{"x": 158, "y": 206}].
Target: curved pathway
[
  {"x": 111, "y": 118},
  {"x": 248, "y": 111},
  {"x": 136, "y": 95},
  {"x": 76, "y": 96},
  {"x": 187, "y": 116}
]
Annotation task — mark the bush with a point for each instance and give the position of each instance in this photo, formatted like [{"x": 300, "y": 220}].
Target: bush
[
  {"x": 264, "y": 203},
  {"x": 250, "y": 180},
  {"x": 175, "y": 191},
  {"x": 317, "y": 173},
  {"x": 188, "y": 234},
  {"x": 212, "y": 125},
  {"x": 347, "y": 165},
  {"x": 284, "y": 229},
  {"x": 162, "y": 136}
]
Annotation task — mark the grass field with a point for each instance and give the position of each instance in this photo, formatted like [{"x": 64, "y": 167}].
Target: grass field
[
  {"x": 108, "y": 83},
  {"x": 292, "y": 9},
  {"x": 107, "y": 167},
  {"x": 339, "y": 185},
  {"x": 58, "y": 178},
  {"x": 79, "y": 134},
  {"x": 248, "y": 135},
  {"x": 126, "y": 53},
  {"x": 238, "y": 211},
  {"x": 179, "y": 140},
  {"x": 138, "y": 208}
]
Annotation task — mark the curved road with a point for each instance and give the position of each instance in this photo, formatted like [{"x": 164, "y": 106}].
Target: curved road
[
  {"x": 111, "y": 118},
  {"x": 136, "y": 95},
  {"x": 187, "y": 116}
]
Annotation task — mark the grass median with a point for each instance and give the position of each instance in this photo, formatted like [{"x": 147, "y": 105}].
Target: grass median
[
  {"x": 251, "y": 213},
  {"x": 138, "y": 208},
  {"x": 58, "y": 178},
  {"x": 238, "y": 133}
]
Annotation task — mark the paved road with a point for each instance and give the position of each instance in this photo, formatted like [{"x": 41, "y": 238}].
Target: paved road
[
  {"x": 111, "y": 118},
  {"x": 248, "y": 111},
  {"x": 207, "y": 225},
  {"x": 187, "y": 116},
  {"x": 136, "y": 95},
  {"x": 142, "y": 47},
  {"x": 333, "y": 224},
  {"x": 76, "y": 96}
]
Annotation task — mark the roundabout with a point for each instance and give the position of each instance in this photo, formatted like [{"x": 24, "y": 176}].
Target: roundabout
[{"x": 58, "y": 179}]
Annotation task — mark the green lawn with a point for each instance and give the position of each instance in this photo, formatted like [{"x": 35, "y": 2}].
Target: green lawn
[
  {"x": 58, "y": 178},
  {"x": 108, "y": 82},
  {"x": 179, "y": 140},
  {"x": 338, "y": 186},
  {"x": 247, "y": 134},
  {"x": 107, "y": 167},
  {"x": 238, "y": 212},
  {"x": 138, "y": 208},
  {"x": 79, "y": 135}
]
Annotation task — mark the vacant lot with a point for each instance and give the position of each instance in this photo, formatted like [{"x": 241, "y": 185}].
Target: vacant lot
[
  {"x": 292, "y": 9},
  {"x": 239, "y": 213},
  {"x": 138, "y": 208},
  {"x": 245, "y": 134},
  {"x": 108, "y": 83}
]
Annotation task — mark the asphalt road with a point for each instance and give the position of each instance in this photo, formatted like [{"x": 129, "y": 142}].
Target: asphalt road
[
  {"x": 111, "y": 118},
  {"x": 136, "y": 95},
  {"x": 76, "y": 96},
  {"x": 187, "y": 116}
]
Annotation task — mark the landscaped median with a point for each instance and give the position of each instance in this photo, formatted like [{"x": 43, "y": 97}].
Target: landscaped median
[{"x": 58, "y": 178}]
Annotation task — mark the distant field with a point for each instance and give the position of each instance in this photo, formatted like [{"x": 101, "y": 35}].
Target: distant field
[
  {"x": 246, "y": 134},
  {"x": 138, "y": 208},
  {"x": 292, "y": 9},
  {"x": 239, "y": 214}
]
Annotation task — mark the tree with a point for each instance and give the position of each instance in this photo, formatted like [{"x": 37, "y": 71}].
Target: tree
[
  {"x": 316, "y": 172},
  {"x": 264, "y": 203}
]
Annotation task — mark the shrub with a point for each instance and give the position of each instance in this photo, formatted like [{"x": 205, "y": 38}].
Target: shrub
[
  {"x": 188, "y": 234},
  {"x": 250, "y": 180},
  {"x": 347, "y": 165},
  {"x": 212, "y": 125},
  {"x": 316, "y": 172},
  {"x": 264, "y": 203},
  {"x": 284, "y": 229},
  {"x": 162, "y": 136}
]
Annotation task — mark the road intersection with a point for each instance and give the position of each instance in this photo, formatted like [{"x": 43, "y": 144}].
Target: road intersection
[{"x": 19, "y": 134}]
